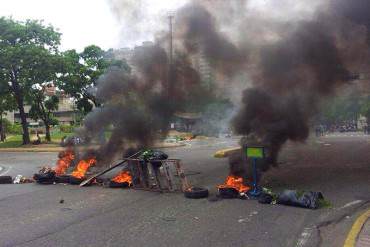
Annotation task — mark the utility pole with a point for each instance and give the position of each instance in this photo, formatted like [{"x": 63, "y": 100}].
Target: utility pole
[{"x": 170, "y": 69}]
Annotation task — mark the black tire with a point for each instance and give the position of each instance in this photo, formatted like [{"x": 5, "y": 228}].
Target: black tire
[
  {"x": 228, "y": 193},
  {"x": 196, "y": 193},
  {"x": 44, "y": 178},
  {"x": 6, "y": 180},
  {"x": 63, "y": 179},
  {"x": 113, "y": 184},
  {"x": 75, "y": 181}
]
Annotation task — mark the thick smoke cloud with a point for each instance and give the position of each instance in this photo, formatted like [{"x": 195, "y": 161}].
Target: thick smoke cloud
[
  {"x": 306, "y": 63},
  {"x": 284, "y": 65}
]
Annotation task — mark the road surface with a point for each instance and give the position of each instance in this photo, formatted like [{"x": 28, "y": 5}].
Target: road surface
[{"x": 338, "y": 166}]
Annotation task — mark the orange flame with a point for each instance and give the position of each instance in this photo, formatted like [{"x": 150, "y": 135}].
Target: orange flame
[
  {"x": 65, "y": 159},
  {"x": 235, "y": 182},
  {"x": 123, "y": 177},
  {"x": 82, "y": 167}
]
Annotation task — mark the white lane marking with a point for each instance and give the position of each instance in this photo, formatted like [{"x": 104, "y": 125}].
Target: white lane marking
[
  {"x": 306, "y": 234},
  {"x": 3, "y": 173},
  {"x": 351, "y": 204}
]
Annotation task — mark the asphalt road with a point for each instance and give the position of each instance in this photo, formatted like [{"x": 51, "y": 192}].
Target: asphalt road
[{"x": 338, "y": 166}]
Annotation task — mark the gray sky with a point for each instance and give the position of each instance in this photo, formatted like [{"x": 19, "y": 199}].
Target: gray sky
[
  {"x": 82, "y": 22},
  {"x": 85, "y": 22}
]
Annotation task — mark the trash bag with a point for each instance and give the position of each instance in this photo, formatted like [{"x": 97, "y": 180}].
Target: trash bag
[
  {"x": 304, "y": 199},
  {"x": 153, "y": 156},
  {"x": 265, "y": 198}
]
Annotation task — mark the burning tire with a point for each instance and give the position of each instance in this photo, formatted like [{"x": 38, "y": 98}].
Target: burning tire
[
  {"x": 44, "y": 178},
  {"x": 196, "y": 193},
  {"x": 75, "y": 181},
  {"x": 228, "y": 193},
  {"x": 6, "y": 180},
  {"x": 113, "y": 184},
  {"x": 63, "y": 179}
]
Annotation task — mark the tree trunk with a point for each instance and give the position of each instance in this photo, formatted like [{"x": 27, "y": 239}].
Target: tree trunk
[
  {"x": 47, "y": 132},
  {"x": 22, "y": 114},
  {"x": 2, "y": 131}
]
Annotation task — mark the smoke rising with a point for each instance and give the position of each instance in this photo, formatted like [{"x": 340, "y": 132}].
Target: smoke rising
[{"x": 282, "y": 65}]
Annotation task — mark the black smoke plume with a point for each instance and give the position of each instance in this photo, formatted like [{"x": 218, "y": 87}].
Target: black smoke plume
[{"x": 291, "y": 64}]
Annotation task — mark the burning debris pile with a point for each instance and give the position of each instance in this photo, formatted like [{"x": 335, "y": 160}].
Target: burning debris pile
[
  {"x": 233, "y": 187},
  {"x": 122, "y": 179}
]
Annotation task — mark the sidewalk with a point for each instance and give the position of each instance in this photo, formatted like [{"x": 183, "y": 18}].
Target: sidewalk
[{"x": 58, "y": 148}]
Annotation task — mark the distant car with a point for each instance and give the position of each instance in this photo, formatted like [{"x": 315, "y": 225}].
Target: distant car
[{"x": 71, "y": 141}]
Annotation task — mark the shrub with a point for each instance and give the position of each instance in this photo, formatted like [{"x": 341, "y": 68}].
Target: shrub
[
  {"x": 15, "y": 129},
  {"x": 6, "y": 124},
  {"x": 66, "y": 128}
]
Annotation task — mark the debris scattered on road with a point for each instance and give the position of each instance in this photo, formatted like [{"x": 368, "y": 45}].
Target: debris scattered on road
[
  {"x": 20, "y": 179},
  {"x": 46, "y": 175},
  {"x": 304, "y": 199},
  {"x": 234, "y": 187},
  {"x": 61, "y": 201}
]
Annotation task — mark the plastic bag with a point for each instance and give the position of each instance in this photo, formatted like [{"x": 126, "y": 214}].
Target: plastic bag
[{"x": 304, "y": 199}]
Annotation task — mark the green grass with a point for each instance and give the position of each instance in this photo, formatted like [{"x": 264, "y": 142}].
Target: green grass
[
  {"x": 325, "y": 204},
  {"x": 14, "y": 141}
]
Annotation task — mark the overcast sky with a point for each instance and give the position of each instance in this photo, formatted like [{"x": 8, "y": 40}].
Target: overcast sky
[
  {"x": 82, "y": 22},
  {"x": 85, "y": 22}
]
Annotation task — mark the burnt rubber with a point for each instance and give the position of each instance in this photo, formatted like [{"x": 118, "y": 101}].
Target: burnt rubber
[
  {"x": 113, "y": 184},
  {"x": 44, "y": 178},
  {"x": 196, "y": 193},
  {"x": 62, "y": 179},
  {"x": 6, "y": 180},
  {"x": 228, "y": 193},
  {"x": 75, "y": 181}
]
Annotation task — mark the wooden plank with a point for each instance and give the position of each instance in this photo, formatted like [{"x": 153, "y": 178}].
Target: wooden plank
[{"x": 87, "y": 181}]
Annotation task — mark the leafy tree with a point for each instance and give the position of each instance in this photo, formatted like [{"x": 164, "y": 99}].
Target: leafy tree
[
  {"x": 42, "y": 108},
  {"x": 28, "y": 52},
  {"x": 81, "y": 72},
  {"x": 7, "y": 103},
  {"x": 341, "y": 109}
]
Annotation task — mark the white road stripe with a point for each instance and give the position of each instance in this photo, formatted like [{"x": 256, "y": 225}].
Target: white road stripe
[{"x": 350, "y": 204}]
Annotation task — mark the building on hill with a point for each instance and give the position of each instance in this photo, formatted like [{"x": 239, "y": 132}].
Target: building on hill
[{"x": 66, "y": 109}]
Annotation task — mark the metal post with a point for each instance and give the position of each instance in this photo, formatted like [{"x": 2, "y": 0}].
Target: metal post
[
  {"x": 256, "y": 190},
  {"x": 170, "y": 67}
]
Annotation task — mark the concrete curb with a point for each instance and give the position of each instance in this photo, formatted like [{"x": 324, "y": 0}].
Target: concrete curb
[
  {"x": 356, "y": 229},
  {"x": 58, "y": 149},
  {"x": 223, "y": 153}
]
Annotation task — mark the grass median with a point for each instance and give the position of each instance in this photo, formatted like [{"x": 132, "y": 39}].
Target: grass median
[{"x": 15, "y": 141}]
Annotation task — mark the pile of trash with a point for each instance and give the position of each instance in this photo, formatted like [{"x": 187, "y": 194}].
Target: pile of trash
[
  {"x": 19, "y": 179},
  {"x": 234, "y": 187}
]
